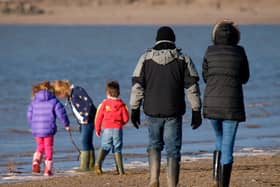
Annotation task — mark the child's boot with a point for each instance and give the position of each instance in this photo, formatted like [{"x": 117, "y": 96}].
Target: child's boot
[
  {"x": 91, "y": 159},
  {"x": 98, "y": 165},
  {"x": 84, "y": 161},
  {"x": 119, "y": 163},
  {"x": 48, "y": 168},
  {"x": 37, "y": 157}
]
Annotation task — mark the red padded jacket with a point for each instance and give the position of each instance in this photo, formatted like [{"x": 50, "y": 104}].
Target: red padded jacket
[{"x": 111, "y": 113}]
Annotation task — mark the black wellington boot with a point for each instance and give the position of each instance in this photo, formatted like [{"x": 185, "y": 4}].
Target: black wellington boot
[
  {"x": 225, "y": 173},
  {"x": 173, "y": 169},
  {"x": 216, "y": 167}
]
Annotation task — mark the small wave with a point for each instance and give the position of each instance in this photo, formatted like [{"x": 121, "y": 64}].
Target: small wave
[
  {"x": 17, "y": 131},
  {"x": 269, "y": 136},
  {"x": 136, "y": 164},
  {"x": 17, "y": 154},
  {"x": 262, "y": 104},
  {"x": 253, "y": 126},
  {"x": 197, "y": 142}
]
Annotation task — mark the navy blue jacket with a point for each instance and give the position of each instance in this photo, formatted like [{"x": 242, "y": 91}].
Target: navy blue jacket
[{"x": 82, "y": 103}]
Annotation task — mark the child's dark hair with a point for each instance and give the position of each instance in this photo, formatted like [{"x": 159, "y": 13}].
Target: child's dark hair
[{"x": 113, "y": 88}]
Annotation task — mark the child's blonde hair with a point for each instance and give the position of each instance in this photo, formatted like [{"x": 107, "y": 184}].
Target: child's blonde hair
[
  {"x": 44, "y": 85},
  {"x": 62, "y": 88}
]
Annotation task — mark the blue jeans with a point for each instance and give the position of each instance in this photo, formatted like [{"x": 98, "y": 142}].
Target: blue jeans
[
  {"x": 112, "y": 138},
  {"x": 166, "y": 132},
  {"x": 86, "y": 136},
  {"x": 225, "y": 131}
]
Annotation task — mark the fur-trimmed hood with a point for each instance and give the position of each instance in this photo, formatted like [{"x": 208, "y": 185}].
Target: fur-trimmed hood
[{"x": 225, "y": 32}]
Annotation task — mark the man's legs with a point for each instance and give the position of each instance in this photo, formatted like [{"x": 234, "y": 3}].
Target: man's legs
[
  {"x": 155, "y": 128},
  {"x": 173, "y": 142}
]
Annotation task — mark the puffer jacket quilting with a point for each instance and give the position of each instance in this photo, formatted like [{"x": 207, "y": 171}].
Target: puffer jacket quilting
[
  {"x": 42, "y": 113},
  {"x": 225, "y": 69}
]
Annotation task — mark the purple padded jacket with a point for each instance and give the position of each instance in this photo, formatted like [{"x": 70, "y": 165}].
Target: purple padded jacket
[{"x": 42, "y": 113}]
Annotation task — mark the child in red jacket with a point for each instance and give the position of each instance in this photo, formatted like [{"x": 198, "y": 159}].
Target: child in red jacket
[{"x": 111, "y": 116}]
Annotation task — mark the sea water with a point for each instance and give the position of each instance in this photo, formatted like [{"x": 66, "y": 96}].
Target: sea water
[{"x": 89, "y": 56}]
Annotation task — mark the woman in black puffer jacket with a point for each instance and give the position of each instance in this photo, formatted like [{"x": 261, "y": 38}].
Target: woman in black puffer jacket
[{"x": 225, "y": 70}]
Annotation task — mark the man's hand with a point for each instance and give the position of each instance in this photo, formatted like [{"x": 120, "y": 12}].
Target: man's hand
[
  {"x": 67, "y": 128},
  {"x": 135, "y": 117},
  {"x": 196, "y": 119}
]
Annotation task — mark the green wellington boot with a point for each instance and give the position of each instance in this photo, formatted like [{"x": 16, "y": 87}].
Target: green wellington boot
[
  {"x": 119, "y": 163},
  {"x": 154, "y": 165},
  {"x": 91, "y": 160},
  {"x": 100, "y": 158},
  {"x": 84, "y": 161}
]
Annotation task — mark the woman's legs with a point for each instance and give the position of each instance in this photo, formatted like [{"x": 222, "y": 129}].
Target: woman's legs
[
  {"x": 225, "y": 131},
  {"x": 229, "y": 132},
  {"x": 218, "y": 129}
]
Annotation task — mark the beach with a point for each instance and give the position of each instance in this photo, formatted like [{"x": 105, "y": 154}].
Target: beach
[
  {"x": 262, "y": 170},
  {"x": 249, "y": 171},
  {"x": 134, "y": 12}
]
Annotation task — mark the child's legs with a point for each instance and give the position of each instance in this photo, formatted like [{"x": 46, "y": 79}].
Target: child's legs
[
  {"x": 117, "y": 140},
  {"x": 40, "y": 144},
  {"x": 87, "y": 134},
  {"x": 107, "y": 139},
  {"x": 48, "y": 142}
]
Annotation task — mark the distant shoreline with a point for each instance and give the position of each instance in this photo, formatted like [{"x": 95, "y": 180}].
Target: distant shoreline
[{"x": 197, "y": 13}]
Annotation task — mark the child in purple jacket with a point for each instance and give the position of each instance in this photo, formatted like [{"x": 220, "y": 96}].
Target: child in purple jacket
[{"x": 41, "y": 114}]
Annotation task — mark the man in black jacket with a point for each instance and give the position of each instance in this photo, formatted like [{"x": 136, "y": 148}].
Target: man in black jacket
[
  {"x": 159, "y": 80},
  {"x": 225, "y": 69}
]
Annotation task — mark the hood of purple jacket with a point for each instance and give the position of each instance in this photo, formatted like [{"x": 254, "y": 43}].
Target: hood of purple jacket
[
  {"x": 43, "y": 95},
  {"x": 42, "y": 113}
]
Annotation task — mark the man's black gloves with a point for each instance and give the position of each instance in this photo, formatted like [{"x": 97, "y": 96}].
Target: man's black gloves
[
  {"x": 196, "y": 119},
  {"x": 135, "y": 117}
]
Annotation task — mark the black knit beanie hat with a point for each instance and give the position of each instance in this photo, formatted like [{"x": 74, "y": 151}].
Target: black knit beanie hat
[{"x": 165, "y": 33}]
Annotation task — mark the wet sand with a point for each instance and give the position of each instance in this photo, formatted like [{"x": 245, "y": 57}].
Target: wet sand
[{"x": 249, "y": 171}]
